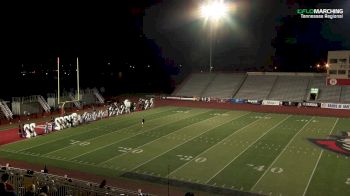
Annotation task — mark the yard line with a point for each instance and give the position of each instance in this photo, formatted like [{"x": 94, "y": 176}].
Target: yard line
[
  {"x": 58, "y": 138},
  {"x": 154, "y": 140},
  {"x": 248, "y": 147},
  {"x": 49, "y": 157},
  {"x": 103, "y": 135},
  {"x": 237, "y": 131},
  {"x": 99, "y": 127},
  {"x": 132, "y": 136},
  {"x": 284, "y": 149},
  {"x": 318, "y": 160},
  {"x": 180, "y": 144}
]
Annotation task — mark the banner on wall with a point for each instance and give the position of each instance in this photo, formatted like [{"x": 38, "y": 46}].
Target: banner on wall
[
  {"x": 310, "y": 104},
  {"x": 271, "y": 102},
  {"x": 237, "y": 100},
  {"x": 252, "y": 101},
  {"x": 337, "y": 106}
]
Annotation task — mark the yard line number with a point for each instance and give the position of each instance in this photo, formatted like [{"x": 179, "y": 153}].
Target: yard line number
[
  {"x": 189, "y": 158},
  {"x": 347, "y": 181},
  {"x": 276, "y": 170},
  {"x": 128, "y": 149},
  {"x": 80, "y": 143},
  {"x": 262, "y": 117}
]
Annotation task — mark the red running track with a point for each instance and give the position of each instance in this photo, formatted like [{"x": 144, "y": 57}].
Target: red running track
[{"x": 12, "y": 135}]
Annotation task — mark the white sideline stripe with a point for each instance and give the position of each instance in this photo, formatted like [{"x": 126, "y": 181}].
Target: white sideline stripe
[
  {"x": 154, "y": 140},
  {"x": 284, "y": 149},
  {"x": 248, "y": 148},
  {"x": 38, "y": 155},
  {"x": 103, "y": 135},
  {"x": 189, "y": 139},
  {"x": 99, "y": 127},
  {"x": 318, "y": 160},
  {"x": 148, "y": 130},
  {"x": 237, "y": 131}
]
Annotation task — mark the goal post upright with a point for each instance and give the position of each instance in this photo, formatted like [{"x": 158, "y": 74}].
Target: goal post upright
[
  {"x": 58, "y": 80},
  {"x": 78, "y": 88},
  {"x": 77, "y": 98}
]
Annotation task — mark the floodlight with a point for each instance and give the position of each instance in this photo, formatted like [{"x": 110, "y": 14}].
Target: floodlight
[{"x": 214, "y": 10}]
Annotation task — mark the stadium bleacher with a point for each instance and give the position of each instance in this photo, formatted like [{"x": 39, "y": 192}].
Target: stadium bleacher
[
  {"x": 196, "y": 84},
  {"x": 291, "y": 88},
  {"x": 224, "y": 85},
  {"x": 256, "y": 87},
  {"x": 261, "y": 85}
]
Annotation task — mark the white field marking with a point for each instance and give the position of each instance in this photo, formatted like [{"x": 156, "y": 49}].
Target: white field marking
[
  {"x": 99, "y": 127},
  {"x": 65, "y": 160},
  {"x": 218, "y": 143},
  {"x": 276, "y": 125},
  {"x": 51, "y": 141},
  {"x": 95, "y": 149},
  {"x": 318, "y": 160},
  {"x": 152, "y": 141},
  {"x": 283, "y": 150},
  {"x": 181, "y": 144},
  {"x": 113, "y": 132}
]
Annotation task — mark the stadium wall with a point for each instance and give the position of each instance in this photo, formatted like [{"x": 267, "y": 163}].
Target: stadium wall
[{"x": 256, "y": 108}]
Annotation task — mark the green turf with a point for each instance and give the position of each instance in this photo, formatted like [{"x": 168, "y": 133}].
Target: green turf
[{"x": 257, "y": 152}]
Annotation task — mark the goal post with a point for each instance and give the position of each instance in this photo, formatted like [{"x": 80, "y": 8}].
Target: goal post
[{"x": 77, "y": 98}]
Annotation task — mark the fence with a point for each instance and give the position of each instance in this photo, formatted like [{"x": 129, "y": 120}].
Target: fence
[{"x": 24, "y": 180}]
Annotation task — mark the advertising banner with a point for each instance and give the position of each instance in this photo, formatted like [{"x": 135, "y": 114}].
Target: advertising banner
[
  {"x": 271, "y": 102},
  {"x": 337, "y": 106}
]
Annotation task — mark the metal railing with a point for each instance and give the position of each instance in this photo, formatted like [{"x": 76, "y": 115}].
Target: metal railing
[
  {"x": 98, "y": 95},
  {"x": 76, "y": 103},
  {"x": 44, "y": 104},
  {"x": 24, "y": 180},
  {"x": 6, "y": 110}
]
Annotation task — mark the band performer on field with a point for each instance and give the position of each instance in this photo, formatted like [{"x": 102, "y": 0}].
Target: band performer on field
[{"x": 143, "y": 121}]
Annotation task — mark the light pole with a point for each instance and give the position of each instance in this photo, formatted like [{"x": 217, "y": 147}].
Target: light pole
[
  {"x": 211, "y": 48},
  {"x": 213, "y": 11}
]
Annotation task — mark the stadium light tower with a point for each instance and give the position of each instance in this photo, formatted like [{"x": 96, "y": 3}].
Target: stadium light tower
[{"x": 213, "y": 11}]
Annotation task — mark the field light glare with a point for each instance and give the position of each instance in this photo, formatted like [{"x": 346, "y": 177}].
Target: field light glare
[{"x": 214, "y": 10}]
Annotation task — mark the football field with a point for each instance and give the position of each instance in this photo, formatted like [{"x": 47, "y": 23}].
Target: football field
[{"x": 264, "y": 153}]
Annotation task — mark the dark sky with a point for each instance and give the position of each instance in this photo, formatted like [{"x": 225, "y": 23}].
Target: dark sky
[{"x": 135, "y": 45}]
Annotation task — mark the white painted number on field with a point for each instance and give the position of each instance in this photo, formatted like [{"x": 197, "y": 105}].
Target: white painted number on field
[
  {"x": 80, "y": 143},
  {"x": 137, "y": 151},
  {"x": 126, "y": 149},
  {"x": 180, "y": 111},
  {"x": 260, "y": 168},
  {"x": 276, "y": 170},
  {"x": 189, "y": 158},
  {"x": 262, "y": 117},
  {"x": 347, "y": 181},
  {"x": 200, "y": 159},
  {"x": 84, "y": 143},
  {"x": 218, "y": 114},
  {"x": 303, "y": 120},
  {"x": 184, "y": 157}
]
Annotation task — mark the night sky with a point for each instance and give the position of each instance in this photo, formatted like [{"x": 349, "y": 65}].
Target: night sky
[{"x": 145, "y": 45}]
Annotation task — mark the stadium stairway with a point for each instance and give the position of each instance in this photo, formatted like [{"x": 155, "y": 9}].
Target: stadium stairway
[
  {"x": 98, "y": 96},
  {"x": 273, "y": 86},
  {"x": 6, "y": 110},
  {"x": 239, "y": 86},
  {"x": 44, "y": 104},
  {"x": 76, "y": 103},
  {"x": 207, "y": 86}
]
